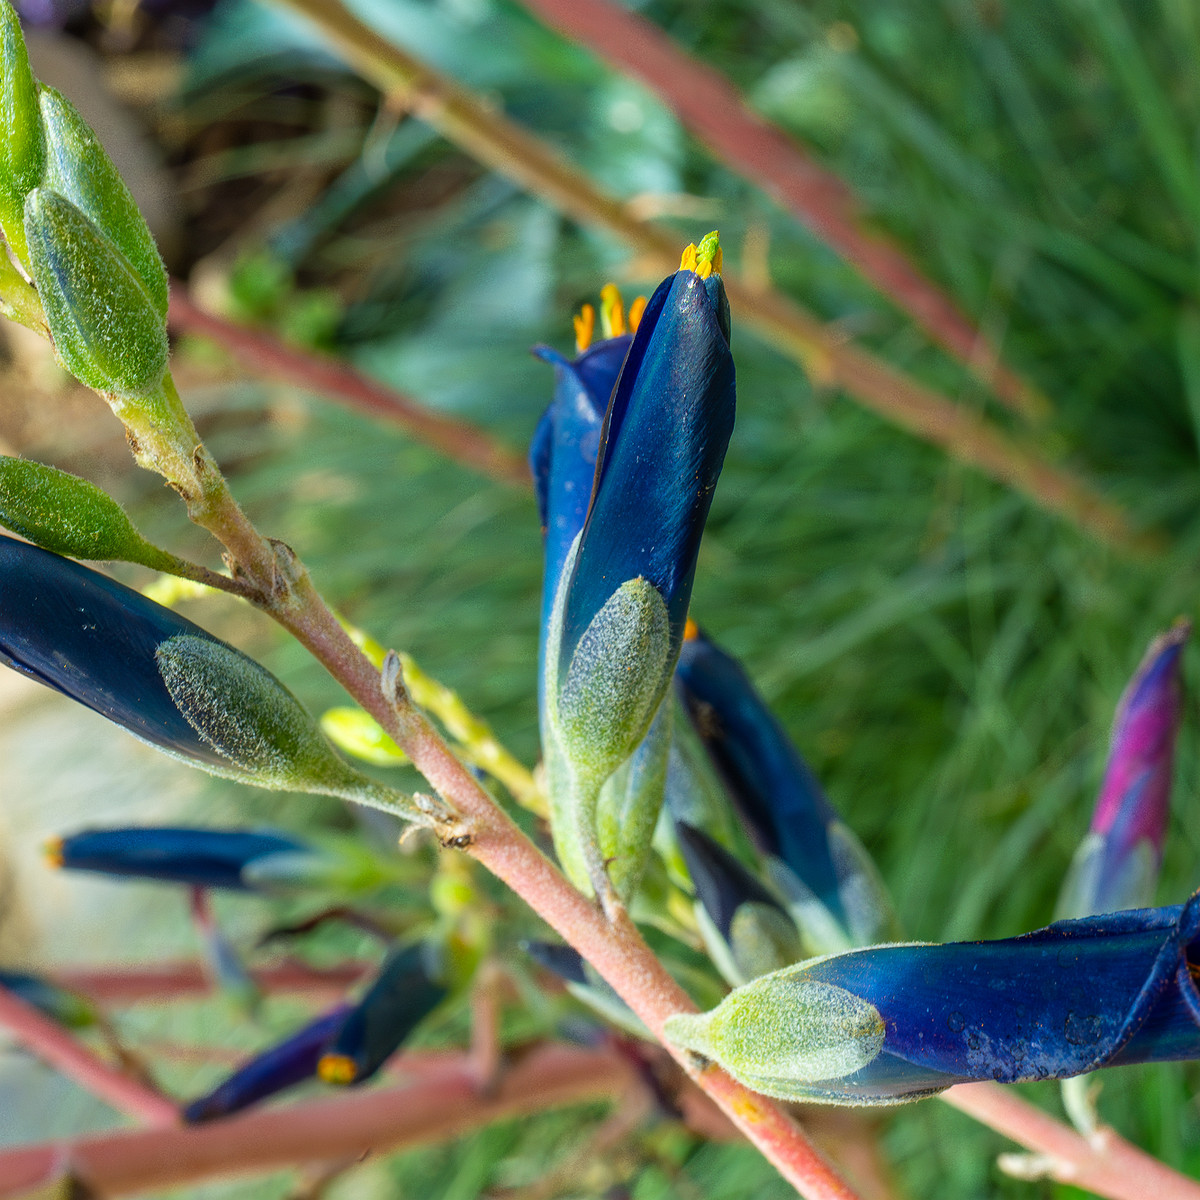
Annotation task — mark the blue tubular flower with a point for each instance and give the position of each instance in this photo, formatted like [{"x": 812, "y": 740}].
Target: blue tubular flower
[
  {"x": 285, "y": 1065},
  {"x": 617, "y": 619},
  {"x": 893, "y": 1023},
  {"x": 1116, "y": 866},
  {"x": 404, "y": 993},
  {"x": 165, "y": 680},
  {"x": 562, "y": 457},
  {"x": 745, "y": 928},
  {"x": 66, "y": 1007},
  {"x": 836, "y": 896},
  {"x": 210, "y": 858}
]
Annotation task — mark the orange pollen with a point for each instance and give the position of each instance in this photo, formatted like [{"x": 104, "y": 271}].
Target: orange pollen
[
  {"x": 53, "y": 851},
  {"x": 612, "y": 311},
  {"x": 691, "y": 631},
  {"x": 585, "y": 327},
  {"x": 635, "y": 313},
  {"x": 337, "y": 1068}
]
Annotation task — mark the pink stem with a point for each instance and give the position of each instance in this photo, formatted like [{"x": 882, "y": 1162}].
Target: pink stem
[
  {"x": 711, "y": 107},
  {"x": 55, "y": 1046},
  {"x": 117, "y": 986},
  {"x": 437, "y": 1107},
  {"x": 1110, "y": 1167},
  {"x": 265, "y": 354}
]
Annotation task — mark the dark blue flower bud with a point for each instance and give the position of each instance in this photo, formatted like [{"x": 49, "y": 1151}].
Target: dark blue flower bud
[
  {"x": 747, "y": 931},
  {"x": 893, "y": 1023},
  {"x": 621, "y": 590},
  {"x": 165, "y": 679},
  {"x": 285, "y": 1065},
  {"x": 209, "y": 858},
  {"x": 66, "y": 1007},
  {"x": 404, "y": 993},
  {"x": 781, "y": 802}
]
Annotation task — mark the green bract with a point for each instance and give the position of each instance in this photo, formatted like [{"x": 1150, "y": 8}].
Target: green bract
[
  {"x": 78, "y": 168},
  {"x": 108, "y": 331},
  {"x": 251, "y": 720},
  {"x": 779, "y": 1035},
  {"x": 70, "y": 516},
  {"x": 614, "y": 682},
  {"x": 22, "y": 145}
]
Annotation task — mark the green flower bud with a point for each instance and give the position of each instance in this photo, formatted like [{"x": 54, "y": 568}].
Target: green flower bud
[
  {"x": 70, "y": 516},
  {"x": 779, "y": 1035},
  {"x": 108, "y": 331},
  {"x": 79, "y": 168},
  {"x": 22, "y": 145}
]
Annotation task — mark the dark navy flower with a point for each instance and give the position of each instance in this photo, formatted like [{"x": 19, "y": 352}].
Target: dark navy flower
[
  {"x": 165, "y": 679},
  {"x": 283, "y": 1066},
  {"x": 66, "y": 1007},
  {"x": 1116, "y": 866},
  {"x": 404, "y": 993},
  {"x": 211, "y": 858},
  {"x": 830, "y": 881},
  {"x": 744, "y": 926},
  {"x": 893, "y": 1023},
  {"x": 562, "y": 456},
  {"x": 616, "y": 619}
]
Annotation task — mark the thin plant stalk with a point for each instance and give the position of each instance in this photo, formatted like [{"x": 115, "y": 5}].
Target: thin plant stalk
[
  {"x": 437, "y": 1107},
  {"x": 711, "y": 107},
  {"x": 265, "y": 354},
  {"x": 1109, "y": 1165},
  {"x": 827, "y": 356},
  {"x": 115, "y": 987},
  {"x": 60, "y": 1049}
]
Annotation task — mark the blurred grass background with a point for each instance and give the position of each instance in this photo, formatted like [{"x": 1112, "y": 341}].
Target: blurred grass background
[{"x": 947, "y": 656}]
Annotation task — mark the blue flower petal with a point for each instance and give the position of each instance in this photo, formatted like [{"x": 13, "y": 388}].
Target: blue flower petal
[
  {"x": 722, "y": 883},
  {"x": 565, "y": 445},
  {"x": 94, "y": 639},
  {"x": 213, "y": 858},
  {"x": 403, "y": 994},
  {"x": 283, "y": 1066},
  {"x": 772, "y": 786},
  {"x": 663, "y": 443}
]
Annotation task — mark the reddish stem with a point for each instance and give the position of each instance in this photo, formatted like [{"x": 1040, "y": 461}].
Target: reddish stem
[
  {"x": 1109, "y": 1167},
  {"x": 438, "y": 1107},
  {"x": 57, "y": 1047},
  {"x": 265, "y": 354},
  {"x": 711, "y": 107},
  {"x": 116, "y": 986}
]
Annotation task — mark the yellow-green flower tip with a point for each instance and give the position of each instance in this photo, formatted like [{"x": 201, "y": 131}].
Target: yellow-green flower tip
[
  {"x": 337, "y": 1068},
  {"x": 704, "y": 259}
]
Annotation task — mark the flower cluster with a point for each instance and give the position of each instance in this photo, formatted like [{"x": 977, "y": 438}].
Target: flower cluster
[{"x": 777, "y": 875}]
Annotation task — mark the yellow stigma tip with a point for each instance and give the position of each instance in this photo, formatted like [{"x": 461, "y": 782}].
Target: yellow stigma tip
[
  {"x": 691, "y": 631},
  {"x": 53, "y": 851},
  {"x": 612, "y": 311},
  {"x": 708, "y": 256},
  {"x": 585, "y": 327},
  {"x": 635, "y": 313},
  {"x": 336, "y": 1068}
]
